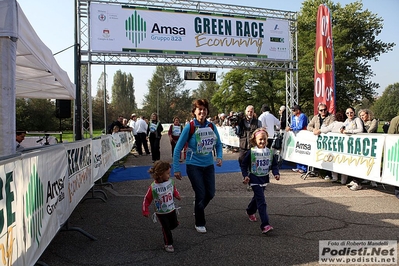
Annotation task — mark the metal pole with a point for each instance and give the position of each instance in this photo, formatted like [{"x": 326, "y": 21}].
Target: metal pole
[
  {"x": 158, "y": 104},
  {"x": 78, "y": 99},
  {"x": 105, "y": 101}
]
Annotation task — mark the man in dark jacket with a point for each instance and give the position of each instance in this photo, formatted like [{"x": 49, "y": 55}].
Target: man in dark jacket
[{"x": 244, "y": 130}]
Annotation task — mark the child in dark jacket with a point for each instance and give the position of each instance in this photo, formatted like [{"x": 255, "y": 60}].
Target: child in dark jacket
[{"x": 255, "y": 169}]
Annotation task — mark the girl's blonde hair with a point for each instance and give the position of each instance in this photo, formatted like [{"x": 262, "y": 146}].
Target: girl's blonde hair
[
  {"x": 257, "y": 131},
  {"x": 159, "y": 168}
]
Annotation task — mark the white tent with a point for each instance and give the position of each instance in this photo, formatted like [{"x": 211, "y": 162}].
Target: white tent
[
  {"x": 38, "y": 75},
  {"x": 27, "y": 70}
]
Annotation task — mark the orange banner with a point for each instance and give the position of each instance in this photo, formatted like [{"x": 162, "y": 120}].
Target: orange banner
[{"x": 324, "y": 80}]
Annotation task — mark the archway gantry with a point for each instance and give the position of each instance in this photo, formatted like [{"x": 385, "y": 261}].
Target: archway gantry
[{"x": 89, "y": 56}]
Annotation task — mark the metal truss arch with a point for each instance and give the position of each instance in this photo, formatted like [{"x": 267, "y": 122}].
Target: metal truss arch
[{"x": 88, "y": 57}]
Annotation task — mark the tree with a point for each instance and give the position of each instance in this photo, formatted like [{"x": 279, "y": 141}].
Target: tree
[
  {"x": 165, "y": 86},
  {"x": 355, "y": 33},
  {"x": 36, "y": 115},
  {"x": 387, "y": 106},
  {"x": 243, "y": 87},
  {"x": 123, "y": 99}
]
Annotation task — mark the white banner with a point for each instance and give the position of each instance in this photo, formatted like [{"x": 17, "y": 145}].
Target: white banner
[
  {"x": 12, "y": 210},
  {"x": 358, "y": 155},
  {"x": 390, "y": 173},
  {"x": 43, "y": 189},
  {"x": 116, "y": 28},
  {"x": 79, "y": 175},
  {"x": 40, "y": 189},
  {"x": 228, "y": 136}
]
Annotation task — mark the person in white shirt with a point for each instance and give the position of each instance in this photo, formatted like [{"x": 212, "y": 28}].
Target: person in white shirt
[
  {"x": 141, "y": 130},
  {"x": 270, "y": 122}
]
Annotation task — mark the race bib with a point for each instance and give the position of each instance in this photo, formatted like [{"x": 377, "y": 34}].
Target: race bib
[
  {"x": 206, "y": 139},
  {"x": 176, "y": 131},
  {"x": 260, "y": 161}
]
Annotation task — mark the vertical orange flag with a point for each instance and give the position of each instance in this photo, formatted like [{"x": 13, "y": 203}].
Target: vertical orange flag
[{"x": 324, "y": 79}]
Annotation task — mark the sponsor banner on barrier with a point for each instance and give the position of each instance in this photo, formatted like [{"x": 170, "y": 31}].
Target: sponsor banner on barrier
[
  {"x": 11, "y": 222},
  {"x": 358, "y": 155},
  {"x": 390, "y": 173},
  {"x": 44, "y": 193},
  {"x": 121, "y": 145},
  {"x": 228, "y": 136},
  {"x": 79, "y": 174}
]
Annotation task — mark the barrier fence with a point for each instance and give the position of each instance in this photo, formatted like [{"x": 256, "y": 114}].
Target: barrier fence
[
  {"x": 40, "y": 188},
  {"x": 369, "y": 156}
]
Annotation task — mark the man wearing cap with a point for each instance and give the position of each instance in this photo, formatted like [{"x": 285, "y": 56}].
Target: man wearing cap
[
  {"x": 299, "y": 121},
  {"x": 269, "y": 121}
]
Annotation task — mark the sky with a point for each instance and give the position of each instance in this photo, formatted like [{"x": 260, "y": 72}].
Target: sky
[{"x": 53, "y": 21}]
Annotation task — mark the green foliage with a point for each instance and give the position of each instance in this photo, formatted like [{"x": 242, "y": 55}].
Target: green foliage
[
  {"x": 123, "y": 99},
  {"x": 243, "y": 87},
  {"x": 37, "y": 115},
  {"x": 387, "y": 106},
  {"x": 165, "y": 86}
]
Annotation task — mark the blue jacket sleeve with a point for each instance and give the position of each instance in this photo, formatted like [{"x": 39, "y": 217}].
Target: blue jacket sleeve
[{"x": 218, "y": 145}]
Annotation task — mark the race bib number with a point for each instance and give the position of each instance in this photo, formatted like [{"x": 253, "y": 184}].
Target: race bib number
[
  {"x": 206, "y": 139},
  {"x": 260, "y": 161}
]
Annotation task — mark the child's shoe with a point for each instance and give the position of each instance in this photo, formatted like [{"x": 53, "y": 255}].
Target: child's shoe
[
  {"x": 252, "y": 217},
  {"x": 267, "y": 228},
  {"x": 169, "y": 248}
]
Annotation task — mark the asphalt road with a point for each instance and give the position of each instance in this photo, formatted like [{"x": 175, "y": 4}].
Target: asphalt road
[{"x": 302, "y": 212}]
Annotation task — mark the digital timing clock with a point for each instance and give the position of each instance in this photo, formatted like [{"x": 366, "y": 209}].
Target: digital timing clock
[{"x": 199, "y": 75}]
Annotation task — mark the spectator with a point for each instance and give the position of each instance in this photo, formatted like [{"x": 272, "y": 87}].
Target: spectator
[
  {"x": 200, "y": 161},
  {"x": 246, "y": 126},
  {"x": 132, "y": 121},
  {"x": 141, "y": 131},
  {"x": 299, "y": 121},
  {"x": 174, "y": 133},
  {"x": 394, "y": 129},
  {"x": 370, "y": 123},
  {"x": 283, "y": 117},
  {"x": 132, "y": 124},
  {"x": 335, "y": 127},
  {"x": 385, "y": 127},
  {"x": 118, "y": 123},
  {"x": 352, "y": 125},
  {"x": 394, "y": 126},
  {"x": 222, "y": 117},
  {"x": 323, "y": 118},
  {"x": 154, "y": 132},
  {"x": 19, "y": 137},
  {"x": 125, "y": 126},
  {"x": 270, "y": 122}
]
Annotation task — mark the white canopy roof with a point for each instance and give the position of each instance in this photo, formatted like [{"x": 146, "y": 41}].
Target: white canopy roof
[{"x": 38, "y": 75}]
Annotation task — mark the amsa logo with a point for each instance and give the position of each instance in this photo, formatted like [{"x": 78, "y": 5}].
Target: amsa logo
[{"x": 303, "y": 148}]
